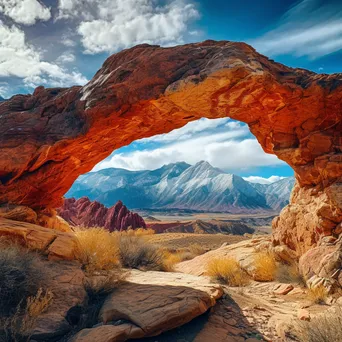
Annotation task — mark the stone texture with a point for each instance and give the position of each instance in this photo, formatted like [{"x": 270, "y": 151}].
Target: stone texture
[
  {"x": 244, "y": 252},
  {"x": 56, "y": 244},
  {"x": 303, "y": 315},
  {"x": 282, "y": 289},
  {"x": 160, "y": 301},
  {"x": 151, "y": 303},
  {"x": 323, "y": 264},
  {"x": 51, "y": 137},
  {"x": 83, "y": 212},
  {"x": 46, "y": 218},
  {"x": 108, "y": 333},
  {"x": 66, "y": 282}
]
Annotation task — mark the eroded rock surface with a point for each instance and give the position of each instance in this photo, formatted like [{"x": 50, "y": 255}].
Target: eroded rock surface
[
  {"x": 151, "y": 303},
  {"x": 55, "y": 244},
  {"x": 83, "y": 212},
  {"x": 66, "y": 282},
  {"x": 51, "y": 137}
]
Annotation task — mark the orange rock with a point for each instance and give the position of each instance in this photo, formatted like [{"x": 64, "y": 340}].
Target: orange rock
[
  {"x": 57, "y": 245},
  {"x": 303, "y": 315},
  {"x": 51, "y": 137}
]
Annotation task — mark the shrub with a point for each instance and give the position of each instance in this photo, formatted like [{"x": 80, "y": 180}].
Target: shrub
[
  {"x": 98, "y": 249},
  {"x": 175, "y": 257},
  {"x": 19, "y": 326},
  {"x": 317, "y": 295},
  {"x": 105, "y": 282},
  {"x": 326, "y": 327},
  {"x": 196, "y": 249},
  {"x": 265, "y": 266},
  {"x": 137, "y": 253},
  {"x": 137, "y": 232},
  {"x": 21, "y": 276},
  {"x": 289, "y": 274},
  {"x": 227, "y": 271}
]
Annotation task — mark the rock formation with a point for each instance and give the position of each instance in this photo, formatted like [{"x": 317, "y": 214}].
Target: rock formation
[
  {"x": 51, "y": 137},
  {"x": 83, "y": 212}
]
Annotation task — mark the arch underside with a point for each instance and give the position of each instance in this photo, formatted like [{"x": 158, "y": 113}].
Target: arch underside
[{"x": 51, "y": 137}]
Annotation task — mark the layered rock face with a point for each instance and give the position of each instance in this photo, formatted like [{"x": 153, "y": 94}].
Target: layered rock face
[
  {"x": 51, "y": 137},
  {"x": 83, "y": 212}
]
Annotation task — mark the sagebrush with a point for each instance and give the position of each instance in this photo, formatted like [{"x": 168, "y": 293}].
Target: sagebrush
[
  {"x": 22, "y": 274},
  {"x": 227, "y": 271}
]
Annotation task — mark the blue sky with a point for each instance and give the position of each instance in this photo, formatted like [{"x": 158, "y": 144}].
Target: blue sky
[{"x": 64, "y": 42}]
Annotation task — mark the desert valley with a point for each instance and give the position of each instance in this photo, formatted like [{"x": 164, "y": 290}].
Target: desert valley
[{"x": 187, "y": 191}]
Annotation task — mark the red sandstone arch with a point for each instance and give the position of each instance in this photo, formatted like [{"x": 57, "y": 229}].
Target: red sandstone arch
[{"x": 51, "y": 137}]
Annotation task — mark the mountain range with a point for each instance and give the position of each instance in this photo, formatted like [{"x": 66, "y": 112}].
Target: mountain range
[{"x": 199, "y": 187}]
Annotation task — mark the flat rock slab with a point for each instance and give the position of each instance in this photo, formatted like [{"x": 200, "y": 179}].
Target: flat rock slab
[
  {"x": 56, "y": 244},
  {"x": 151, "y": 303},
  {"x": 244, "y": 252}
]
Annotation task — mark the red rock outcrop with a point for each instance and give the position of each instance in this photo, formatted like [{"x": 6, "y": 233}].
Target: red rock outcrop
[
  {"x": 51, "y": 137},
  {"x": 83, "y": 212}
]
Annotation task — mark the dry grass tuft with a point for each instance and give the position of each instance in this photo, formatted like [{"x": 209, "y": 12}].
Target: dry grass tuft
[
  {"x": 105, "y": 282},
  {"x": 317, "y": 295},
  {"x": 98, "y": 249},
  {"x": 137, "y": 232},
  {"x": 227, "y": 271},
  {"x": 22, "y": 273},
  {"x": 136, "y": 252},
  {"x": 196, "y": 249},
  {"x": 326, "y": 327},
  {"x": 19, "y": 326},
  {"x": 265, "y": 266}
]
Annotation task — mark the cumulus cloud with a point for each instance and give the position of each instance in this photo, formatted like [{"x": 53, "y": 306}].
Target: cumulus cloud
[
  {"x": 108, "y": 25},
  {"x": 4, "y": 89},
  {"x": 20, "y": 59},
  {"x": 26, "y": 12},
  {"x": 262, "y": 180},
  {"x": 228, "y": 147},
  {"x": 312, "y": 28},
  {"x": 66, "y": 57}
]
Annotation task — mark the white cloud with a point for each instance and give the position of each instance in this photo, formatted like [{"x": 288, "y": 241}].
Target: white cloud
[
  {"x": 66, "y": 57},
  {"x": 4, "y": 89},
  {"x": 190, "y": 129},
  {"x": 311, "y": 28},
  {"x": 222, "y": 146},
  {"x": 110, "y": 25},
  {"x": 22, "y": 60},
  {"x": 262, "y": 180},
  {"x": 26, "y": 12}
]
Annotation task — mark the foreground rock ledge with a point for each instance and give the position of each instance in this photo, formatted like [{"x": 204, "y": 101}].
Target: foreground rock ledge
[
  {"x": 51, "y": 137},
  {"x": 151, "y": 303}
]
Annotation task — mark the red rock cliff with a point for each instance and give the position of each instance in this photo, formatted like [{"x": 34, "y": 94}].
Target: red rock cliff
[
  {"x": 83, "y": 212},
  {"x": 51, "y": 137}
]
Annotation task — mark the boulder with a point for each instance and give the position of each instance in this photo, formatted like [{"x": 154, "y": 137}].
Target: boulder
[
  {"x": 244, "y": 252},
  {"x": 151, "y": 303},
  {"x": 83, "y": 212},
  {"x": 66, "y": 282}
]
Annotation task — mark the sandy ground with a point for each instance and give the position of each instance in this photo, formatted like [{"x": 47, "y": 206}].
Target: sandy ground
[{"x": 183, "y": 240}]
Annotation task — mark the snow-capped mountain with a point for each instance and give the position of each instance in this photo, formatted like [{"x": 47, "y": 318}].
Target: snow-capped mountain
[
  {"x": 182, "y": 186},
  {"x": 278, "y": 193}
]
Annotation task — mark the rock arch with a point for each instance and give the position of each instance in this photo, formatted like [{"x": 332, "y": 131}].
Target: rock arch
[{"x": 51, "y": 137}]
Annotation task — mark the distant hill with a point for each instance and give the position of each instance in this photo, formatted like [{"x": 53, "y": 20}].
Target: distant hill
[
  {"x": 182, "y": 186},
  {"x": 203, "y": 227},
  {"x": 2, "y": 99}
]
